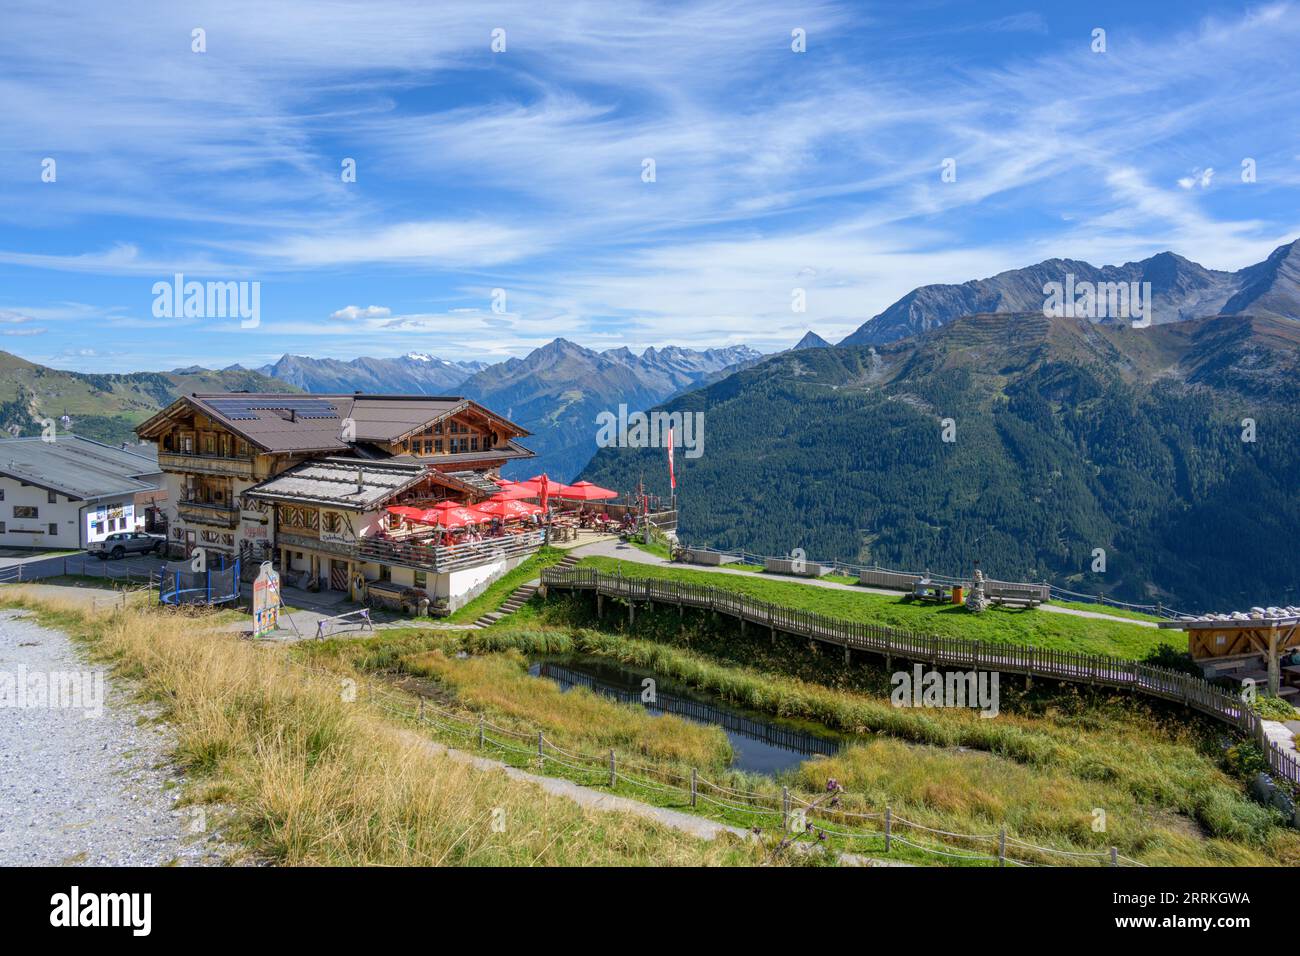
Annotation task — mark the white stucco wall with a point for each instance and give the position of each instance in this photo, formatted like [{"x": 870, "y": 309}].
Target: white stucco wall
[{"x": 73, "y": 525}]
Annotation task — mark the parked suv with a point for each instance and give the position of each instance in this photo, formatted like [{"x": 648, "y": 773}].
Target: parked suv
[{"x": 122, "y": 543}]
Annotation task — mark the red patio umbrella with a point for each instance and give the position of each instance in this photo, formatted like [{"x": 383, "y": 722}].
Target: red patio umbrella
[
  {"x": 448, "y": 505},
  {"x": 509, "y": 509},
  {"x": 420, "y": 515},
  {"x": 459, "y": 518},
  {"x": 513, "y": 490},
  {"x": 586, "y": 491},
  {"x": 553, "y": 488}
]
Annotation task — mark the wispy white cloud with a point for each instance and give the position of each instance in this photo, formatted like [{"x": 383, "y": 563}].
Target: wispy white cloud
[{"x": 775, "y": 170}]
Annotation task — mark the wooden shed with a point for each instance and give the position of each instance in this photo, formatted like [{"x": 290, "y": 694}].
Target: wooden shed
[{"x": 1210, "y": 640}]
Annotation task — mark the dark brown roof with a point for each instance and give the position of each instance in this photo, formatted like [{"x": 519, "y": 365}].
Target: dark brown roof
[{"x": 289, "y": 423}]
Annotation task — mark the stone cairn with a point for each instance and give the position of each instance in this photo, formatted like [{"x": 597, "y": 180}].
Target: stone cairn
[{"x": 975, "y": 599}]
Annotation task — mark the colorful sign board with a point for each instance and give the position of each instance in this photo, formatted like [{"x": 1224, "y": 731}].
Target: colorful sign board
[{"x": 266, "y": 601}]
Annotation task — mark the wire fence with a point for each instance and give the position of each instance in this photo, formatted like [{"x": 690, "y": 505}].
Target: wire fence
[
  {"x": 1095, "y": 669},
  {"x": 792, "y": 814}
]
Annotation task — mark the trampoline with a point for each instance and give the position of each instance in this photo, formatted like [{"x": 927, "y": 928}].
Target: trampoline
[{"x": 180, "y": 584}]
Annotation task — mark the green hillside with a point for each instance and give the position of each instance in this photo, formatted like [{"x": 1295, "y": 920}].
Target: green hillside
[
  {"x": 1069, "y": 437},
  {"x": 104, "y": 406}
]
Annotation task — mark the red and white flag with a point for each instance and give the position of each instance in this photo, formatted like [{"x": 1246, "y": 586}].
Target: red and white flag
[{"x": 672, "y": 478}]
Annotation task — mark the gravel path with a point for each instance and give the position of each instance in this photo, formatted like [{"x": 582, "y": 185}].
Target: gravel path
[{"x": 78, "y": 789}]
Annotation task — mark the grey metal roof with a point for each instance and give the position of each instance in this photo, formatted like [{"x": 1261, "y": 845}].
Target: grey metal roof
[
  {"x": 350, "y": 484},
  {"x": 80, "y": 467},
  {"x": 478, "y": 482}
]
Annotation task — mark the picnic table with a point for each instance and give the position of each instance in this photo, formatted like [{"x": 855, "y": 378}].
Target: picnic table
[{"x": 925, "y": 590}]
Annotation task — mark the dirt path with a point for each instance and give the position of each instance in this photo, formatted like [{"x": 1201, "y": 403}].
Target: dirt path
[
  {"x": 86, "y": 781},
  {"x": 696, "y": 826}
]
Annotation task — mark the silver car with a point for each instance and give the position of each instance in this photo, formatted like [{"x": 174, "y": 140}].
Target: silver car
[{"x": 122, "y": 543}]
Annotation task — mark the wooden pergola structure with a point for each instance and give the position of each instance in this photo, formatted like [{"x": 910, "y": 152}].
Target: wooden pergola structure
[{"x": 1267, "y": 637}]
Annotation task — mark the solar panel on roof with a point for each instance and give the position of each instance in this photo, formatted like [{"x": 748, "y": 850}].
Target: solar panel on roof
[{"x": 239, "y": 409}]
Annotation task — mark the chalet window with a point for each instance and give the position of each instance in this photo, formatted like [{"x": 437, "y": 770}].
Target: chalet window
[
  {"x": 2, "y": 494},
  {"x": 473, "y": 443},
  {"x": 52, "y": 498},
  {"x": 54, "y": 529},
  {"x": 437, "y": 429},
  {"x": 210, "y": 444},
  {"x": 187, "y": 444},
  {"x": 26, "y": 511},
  {"x": 2, "y": 527},
  {"x": 437, "y": 446},
  {"x": 428, "y": 446}
]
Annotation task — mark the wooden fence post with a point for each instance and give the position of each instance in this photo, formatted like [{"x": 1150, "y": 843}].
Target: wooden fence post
[
  {"x": 613, "y": 770},
  {"x": 481, "y": 735},
  {"x": 1002, "y": 846},
  {"x": 695, "y": 785},
  {"x": 541, "y": 756},
  {"x": 889, "y": 827},
  {"x": 785, "y": 808},
  {"x": 1114, "y": 856}
]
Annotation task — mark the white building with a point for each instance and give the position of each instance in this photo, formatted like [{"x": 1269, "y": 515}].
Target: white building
[{"x": 67, "y": 492}]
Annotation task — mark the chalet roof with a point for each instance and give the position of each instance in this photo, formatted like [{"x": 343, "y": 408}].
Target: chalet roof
[
  {"x": 481, "y": 484},
  {"x": 80, "y": 467},
  {"x": 293, "y": 422},
  {"x": 349, "y": 484},
  {"x": 1256, "y": 618}
]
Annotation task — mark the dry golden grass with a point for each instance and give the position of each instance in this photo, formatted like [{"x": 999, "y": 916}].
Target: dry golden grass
[
  {"x": 316, "y": 780},
  {"x": 500, "y": 684}
]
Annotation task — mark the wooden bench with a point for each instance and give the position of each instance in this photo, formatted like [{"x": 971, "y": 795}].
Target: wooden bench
[
  {"x": 802, "y": 569},
  {"x": 710, "y": 558},
  {"x": 1016, "y": 597}
]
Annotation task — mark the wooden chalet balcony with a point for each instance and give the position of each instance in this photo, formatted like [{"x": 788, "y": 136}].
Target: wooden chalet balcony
[
  {"x": 201, "y": 512},
  {"x": 205, "y": 464},
  {"x": 422, "y": 557}
]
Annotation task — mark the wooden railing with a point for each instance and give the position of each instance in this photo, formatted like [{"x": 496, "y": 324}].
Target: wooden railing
[
  {"x": 449, "y": 558},
  {"x": 205, "y": 464},
  {"x": 206, "y": 512},
  {"x": 1095, "y": 669}
]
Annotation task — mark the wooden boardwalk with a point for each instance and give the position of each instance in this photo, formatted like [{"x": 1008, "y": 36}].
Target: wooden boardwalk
[{"x": 945, "y": 652}]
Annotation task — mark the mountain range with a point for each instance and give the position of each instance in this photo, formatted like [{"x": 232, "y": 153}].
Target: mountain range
[
  {"x": 557, "y": 391},
  {"x": 1180, "y": 290},
  {"x": 106, "y": 406},
  {"x": 1067, "y": 437},
  {"x": 415, "y": 373}
]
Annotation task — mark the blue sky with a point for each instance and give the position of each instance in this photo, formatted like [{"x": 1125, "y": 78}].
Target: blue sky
[{"x": 522, "y": 170}]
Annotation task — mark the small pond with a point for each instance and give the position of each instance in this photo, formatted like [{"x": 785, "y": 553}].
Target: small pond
[{"x": 761, "y": 744}]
